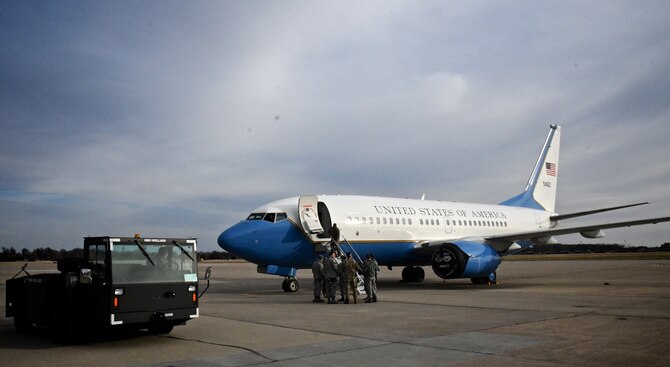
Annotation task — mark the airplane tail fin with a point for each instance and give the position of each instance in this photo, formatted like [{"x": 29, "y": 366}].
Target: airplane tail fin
[{"x": 540, "y": 192}]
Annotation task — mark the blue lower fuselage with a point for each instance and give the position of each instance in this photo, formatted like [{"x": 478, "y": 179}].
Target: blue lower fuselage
[{"x": 284, "y": 244}]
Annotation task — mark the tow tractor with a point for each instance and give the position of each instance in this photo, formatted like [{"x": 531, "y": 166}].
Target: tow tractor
[{"x": 121, "y": 282}]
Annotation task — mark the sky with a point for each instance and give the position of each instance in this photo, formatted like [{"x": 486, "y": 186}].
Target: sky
[{"x": 175, "y": 118}]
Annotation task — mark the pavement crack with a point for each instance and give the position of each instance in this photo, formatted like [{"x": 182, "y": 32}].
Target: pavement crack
[{"x": 221, "y": 345}]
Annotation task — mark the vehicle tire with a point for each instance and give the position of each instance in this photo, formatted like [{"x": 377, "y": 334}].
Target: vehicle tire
[
  {"x": 60, "y": 328},
  {"x": 159, "y": 329},
  {"x": 21, "y": 323}
]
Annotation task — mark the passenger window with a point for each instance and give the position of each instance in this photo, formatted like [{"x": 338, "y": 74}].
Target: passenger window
[
  {"x": 409, "y": 221},
  {"x": 403, "y": 221},
  {"x": 378, "y": 221},
  {"x": 384, "y": 220}
]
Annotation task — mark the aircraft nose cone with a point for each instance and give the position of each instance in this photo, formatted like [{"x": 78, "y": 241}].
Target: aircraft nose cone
[
  {"x": 227, "y": 238},
  {"x": 234, "y": 239}
]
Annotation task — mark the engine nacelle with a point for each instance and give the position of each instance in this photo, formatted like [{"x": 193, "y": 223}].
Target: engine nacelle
[{"x": 464, "y": 259}]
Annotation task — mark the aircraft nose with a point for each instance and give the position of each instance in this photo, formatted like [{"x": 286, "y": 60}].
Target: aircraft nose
[{"x": 234, "y": 239}]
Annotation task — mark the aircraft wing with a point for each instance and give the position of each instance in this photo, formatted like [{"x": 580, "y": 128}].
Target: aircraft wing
[
  {"x": 503, "y": 242},
  {"x": 589, "y": 231}
]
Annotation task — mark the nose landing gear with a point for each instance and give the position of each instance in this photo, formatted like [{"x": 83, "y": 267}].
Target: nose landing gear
[{"x": 290, "y": 285}]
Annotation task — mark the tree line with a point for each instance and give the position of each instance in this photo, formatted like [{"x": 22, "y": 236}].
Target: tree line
[{"x": 49, "y": 254}]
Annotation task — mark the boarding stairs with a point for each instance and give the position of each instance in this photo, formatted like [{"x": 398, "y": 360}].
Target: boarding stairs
[{"x": 360, "y": 284}]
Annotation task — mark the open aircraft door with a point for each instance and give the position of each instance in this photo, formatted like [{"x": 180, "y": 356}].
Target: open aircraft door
[{"x": 309, "y": 217}]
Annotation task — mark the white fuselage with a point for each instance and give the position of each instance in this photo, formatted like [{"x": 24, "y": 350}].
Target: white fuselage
[{"x": 383, "y": 219}]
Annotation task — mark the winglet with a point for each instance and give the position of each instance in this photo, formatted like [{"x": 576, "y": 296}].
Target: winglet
[{"x": 540, "y": 191}]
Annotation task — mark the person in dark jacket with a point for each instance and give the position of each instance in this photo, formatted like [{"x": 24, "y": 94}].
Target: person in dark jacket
[
  {"x": 334, "y": 236},
  {"x": 317, "y": 272},
  {"x": 330, "y": 273}
]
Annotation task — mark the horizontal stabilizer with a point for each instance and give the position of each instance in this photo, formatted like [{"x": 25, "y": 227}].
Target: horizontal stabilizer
[{"x": 556, "y": 218}]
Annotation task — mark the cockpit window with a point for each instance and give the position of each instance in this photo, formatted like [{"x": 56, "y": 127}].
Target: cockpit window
[{"x": 269, "y": 217}]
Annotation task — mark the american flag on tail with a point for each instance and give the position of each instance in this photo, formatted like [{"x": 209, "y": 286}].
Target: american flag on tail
[{"x": 551, "y": 169}]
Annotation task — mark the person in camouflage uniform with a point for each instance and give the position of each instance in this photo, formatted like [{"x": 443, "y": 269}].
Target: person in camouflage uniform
[
  {"x": 370, "y": 270},
  {"x": 351, "y": 281},
  {"x": 342, "y": 279}
]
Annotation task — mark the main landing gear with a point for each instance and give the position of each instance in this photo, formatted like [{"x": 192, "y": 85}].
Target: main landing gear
[
  {"x": 290, "y": 285},
  {"x": 413, "y": 274}
]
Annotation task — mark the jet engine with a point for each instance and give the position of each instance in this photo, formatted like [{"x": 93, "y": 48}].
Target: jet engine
[
  {"x": 465, "y": 259},
  {"x": 448, "y": 261}
]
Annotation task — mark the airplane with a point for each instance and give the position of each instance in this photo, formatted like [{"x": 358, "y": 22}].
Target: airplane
[{"x": 458, "y": 240}]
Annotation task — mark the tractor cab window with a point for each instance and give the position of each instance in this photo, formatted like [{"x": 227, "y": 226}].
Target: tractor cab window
[
  {"x": 96, "y": 256},
  {"x": 148, "y": 262}
]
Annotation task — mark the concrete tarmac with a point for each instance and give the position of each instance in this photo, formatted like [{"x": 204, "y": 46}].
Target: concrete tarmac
[{"x": 543, "y": 313}]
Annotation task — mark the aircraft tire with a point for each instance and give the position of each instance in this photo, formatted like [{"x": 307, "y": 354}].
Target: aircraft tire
[
  {"x": 413, "y": 274},
  {"x": 290, "y": 285},
  {"x": 419, "y": 274},
  {"x": 408, "y": 274}
]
